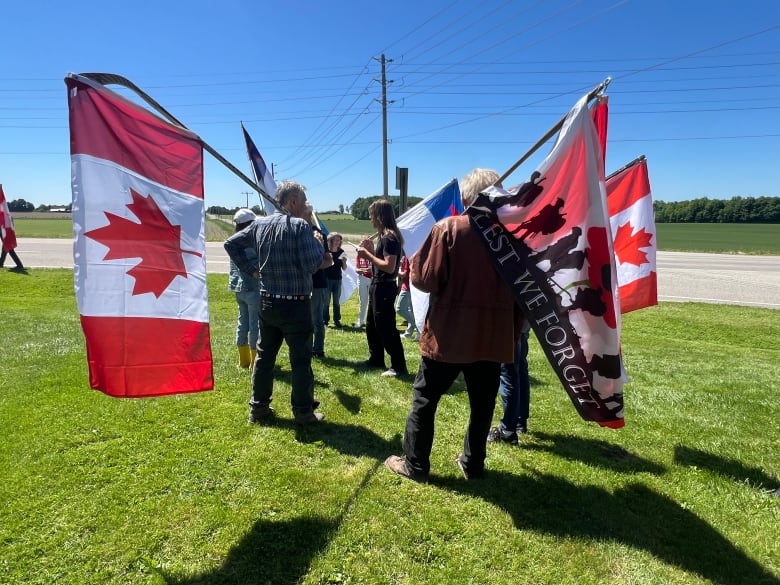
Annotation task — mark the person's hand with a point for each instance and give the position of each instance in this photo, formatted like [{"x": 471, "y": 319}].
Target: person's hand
[
  {"x": 368, "y": 244},
  {"x": 319, "y": 237},
  {"x": 362, "y": 252}
]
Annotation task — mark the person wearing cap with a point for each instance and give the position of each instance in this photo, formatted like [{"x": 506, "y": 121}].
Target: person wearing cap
[
  {"x": 287, "y": 254},
  {"x": 247, "y": 291}
]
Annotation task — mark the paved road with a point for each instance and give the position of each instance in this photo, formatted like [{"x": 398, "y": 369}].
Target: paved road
[{"x": 709, "y": 278}]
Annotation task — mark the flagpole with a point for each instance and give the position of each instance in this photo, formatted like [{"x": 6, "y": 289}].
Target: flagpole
[
  {"x": 638, "y": 159},
  {"x": 550, "y": 133},
  {"x": 112, "y": 78}
]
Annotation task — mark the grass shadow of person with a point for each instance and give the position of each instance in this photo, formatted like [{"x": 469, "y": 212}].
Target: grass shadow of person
[
  {"x": 271, "y": 552},
  {"x": 731, "y": 468},
  {"x": 593, "y": 452},
  {"x": 633, "y": 515}
]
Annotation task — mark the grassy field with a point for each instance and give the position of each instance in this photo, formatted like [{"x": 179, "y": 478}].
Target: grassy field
[
  {"x": 687, "y": 237},
  {"x": 181, "y": 490}
]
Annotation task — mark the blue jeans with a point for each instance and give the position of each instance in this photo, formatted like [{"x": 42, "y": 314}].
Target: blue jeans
[
  {"x": 404, "y": 308},
  {"x": 515, "y": 388},
  {"x": 334, "y": 294},
  {"x": 248, "y": 317},
  {"x": 319, "y": 299},
  {"x": 288, "y": 321}
]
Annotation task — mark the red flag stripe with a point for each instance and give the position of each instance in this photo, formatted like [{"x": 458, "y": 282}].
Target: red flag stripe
[
  {"x": 628, "y": 187},
  {"x": 174, "y": 358},
  {"x": 639, "y": 293},
  {"x": 126, "y": 136}
]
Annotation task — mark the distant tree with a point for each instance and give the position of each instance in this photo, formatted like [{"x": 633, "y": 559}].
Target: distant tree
[
  {"x": 218, "y": 210},
  {"x": 341, "y": 208},
  {"x": 735, "y": 210},
  {"x": 360, "y": 206},
  {"x": 20, "y": 205}
]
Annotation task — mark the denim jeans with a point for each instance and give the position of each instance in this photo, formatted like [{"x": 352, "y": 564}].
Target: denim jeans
[
  {"x": 404, "y": 308},
  {"x": 319, "y": 298},
  {"x": 248, "y": 317},
  {"x": 432, "y": 382},
  {"x": 334, "y": 295},
  {"x": 288, "y": 321},
  {"x": 516, "y": 388}
]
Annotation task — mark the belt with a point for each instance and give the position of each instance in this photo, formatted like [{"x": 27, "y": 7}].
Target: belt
[{"x": 284, "y": 297}]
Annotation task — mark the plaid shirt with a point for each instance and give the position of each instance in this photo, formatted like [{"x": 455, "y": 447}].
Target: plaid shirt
[{"x": 287, "y": 253}]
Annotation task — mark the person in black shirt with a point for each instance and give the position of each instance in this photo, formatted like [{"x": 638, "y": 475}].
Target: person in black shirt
[{"x": 381, "y": 332}]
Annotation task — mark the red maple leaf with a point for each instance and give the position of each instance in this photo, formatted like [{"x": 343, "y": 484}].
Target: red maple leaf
[
  {"x": 154, "y": 240},
  {"x": 628, "y": 248}
]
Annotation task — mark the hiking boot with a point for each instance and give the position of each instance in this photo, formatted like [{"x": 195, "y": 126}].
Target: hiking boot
[
  {"x": 496, "y": 435},
  {"x": 398, "y": 466},
  {"x": 259, "y": 414},
  {"x": 467, "y": 473},
  {"x": 310, "y": 418}
]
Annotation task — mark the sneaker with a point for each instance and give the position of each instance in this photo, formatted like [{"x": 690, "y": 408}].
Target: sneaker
[
  {"x": 318, "y": 354},
  {"x": 466, "y": 473},
  {"x": 522, "y": 428},
  {"x": 398, "y": 466},
  {"x": 406, "y": 334},
  {"x": 337, "y": 325},
  {"x": 496, "y": 435},
  {"x": 391, "y": 373},
  {"x": 259, "y": 414},
  {"x": 309, "y": 418},
  {"x": 357, "y": 325}
]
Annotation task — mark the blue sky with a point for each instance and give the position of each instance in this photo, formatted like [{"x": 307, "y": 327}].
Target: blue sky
[{"x": 696, "y": 88}]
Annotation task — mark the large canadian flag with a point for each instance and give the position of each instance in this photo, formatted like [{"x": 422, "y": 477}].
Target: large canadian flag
[
  {"x": 633, "y": 231},
  {"x": 6, "y": 224},
  {"x": 139, "y": 250}
]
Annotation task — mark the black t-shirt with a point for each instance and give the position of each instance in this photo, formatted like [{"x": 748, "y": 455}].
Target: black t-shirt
[
  {"x": 388, "y": 246},
  {"x": 334, "y": 272}
]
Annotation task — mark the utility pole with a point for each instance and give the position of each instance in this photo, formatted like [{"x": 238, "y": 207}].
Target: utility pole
[
  {"x": 384, "y": 119},
  {"x": 247, "y": 193}
]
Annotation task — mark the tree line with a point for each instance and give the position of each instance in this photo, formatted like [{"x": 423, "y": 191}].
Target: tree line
[{"x": 705, "y": 210}]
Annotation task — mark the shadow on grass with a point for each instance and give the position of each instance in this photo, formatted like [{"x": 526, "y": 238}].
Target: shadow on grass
[
  {"x": 732, "y": 468},
  {"x": 593, "y": 452},
  {"x": 633, "y": 515},
  {"x": 271, "y": 552}
]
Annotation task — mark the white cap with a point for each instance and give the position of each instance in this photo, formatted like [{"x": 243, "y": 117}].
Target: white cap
[{"x": 244, "y": 215}]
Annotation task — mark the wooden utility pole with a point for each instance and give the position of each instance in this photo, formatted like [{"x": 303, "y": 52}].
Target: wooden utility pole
[
  {"x": 384, "y": 120},
  {"x": 247, "y": 193}
]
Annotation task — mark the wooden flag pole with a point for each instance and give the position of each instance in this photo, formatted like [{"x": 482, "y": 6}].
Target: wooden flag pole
[
  {"x": 550, "y": 133},
  {"x": 112, "y": 78}
]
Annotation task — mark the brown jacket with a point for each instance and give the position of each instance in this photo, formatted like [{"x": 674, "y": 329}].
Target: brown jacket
[{"x": 472, "y": 314}]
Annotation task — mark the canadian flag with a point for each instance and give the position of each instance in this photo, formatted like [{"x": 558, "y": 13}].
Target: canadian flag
[
  {"x": 139, "y": 250},
  {"x": 633, "y": 231},
  {"x": 6, "y": 224}
]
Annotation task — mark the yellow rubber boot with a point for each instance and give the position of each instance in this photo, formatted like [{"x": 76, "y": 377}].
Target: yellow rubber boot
[
  {"x": 243, "y": 356},
  {"x": 252, "y": 356}
]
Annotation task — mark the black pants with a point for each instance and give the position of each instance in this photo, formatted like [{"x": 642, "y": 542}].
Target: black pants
[
  {"x": 432, "y": 382},
  {"x": 13, "y": 256},
  {"x": 381, "y": 332},
  {"x": 291, "y": 322}
]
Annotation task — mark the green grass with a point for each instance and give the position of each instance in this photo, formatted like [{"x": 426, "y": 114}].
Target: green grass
[
  {"x": 683, "y": 237},
  {"x": 721, "y": 238},
  {"x": 181, "y": 490}
]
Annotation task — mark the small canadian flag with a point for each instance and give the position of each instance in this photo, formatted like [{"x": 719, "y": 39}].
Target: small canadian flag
[{"x": 632, "y": 221}]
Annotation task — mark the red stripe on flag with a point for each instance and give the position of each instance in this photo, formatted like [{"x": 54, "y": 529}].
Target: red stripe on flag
[
  {"x": 119, "y": 366},
  {"x": 628, "y": 187},
  {"x": 124, "y": 135},
  {"x": 639, "y": 293}
]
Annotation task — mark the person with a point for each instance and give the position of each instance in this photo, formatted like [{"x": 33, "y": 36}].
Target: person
[
  {"x": 288, "y": 253},
  {"x": 9, "y": 249},
  {"x": 515, "y": 391},
  {"x": 319, "y": 294},
  {"x": 404, "y": 304},
  {"x": 247, "y": 291},
  {"x": 365, "y": 274},
  {"x": 333, "y": 275},
  {"x": 381, "y": 332},
  {"x": 470, "y": 328}
]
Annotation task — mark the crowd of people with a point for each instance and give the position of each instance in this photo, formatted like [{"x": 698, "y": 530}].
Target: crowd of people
[{"x": 473, "y": 326}]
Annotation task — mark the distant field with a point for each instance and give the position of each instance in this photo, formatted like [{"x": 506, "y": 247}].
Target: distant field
[{"x": 721, "y": 238}]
